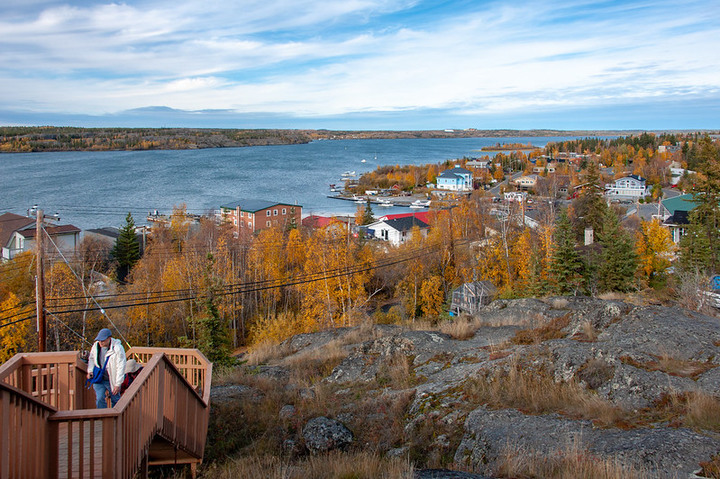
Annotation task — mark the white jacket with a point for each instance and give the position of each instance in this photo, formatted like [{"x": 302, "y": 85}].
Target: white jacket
[{"x": 116, "y": 361}]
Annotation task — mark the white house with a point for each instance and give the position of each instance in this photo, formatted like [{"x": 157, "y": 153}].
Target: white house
[
  {"x": 628, "y": 187},
  {"x": 527, "y": 181},
  {"x": 456, "y": 179},
  {"x": 397, "y": 231},
  {"x": 17, "y": 235},
  {"x": 478, "y": 164}
]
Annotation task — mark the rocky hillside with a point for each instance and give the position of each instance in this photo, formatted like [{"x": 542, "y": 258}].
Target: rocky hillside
[{"x": 527, "y": 387}]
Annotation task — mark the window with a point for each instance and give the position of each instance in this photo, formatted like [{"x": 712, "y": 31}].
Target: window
[
  {"x": 284, "y": 211},
  {"x": 242, "y": 214},
  {"x": 268, "y": 212},
  {"x": 267, "y": 223},
  {"x": 275, "y": 212}
]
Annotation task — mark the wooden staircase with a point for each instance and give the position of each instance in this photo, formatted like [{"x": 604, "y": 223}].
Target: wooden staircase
[{"x": 49, "y": 426}]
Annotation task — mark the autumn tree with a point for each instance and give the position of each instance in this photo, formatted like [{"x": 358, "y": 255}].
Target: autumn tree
[
  {"x": 590, "y": 206},
  {"x": 654, "y": 247}
]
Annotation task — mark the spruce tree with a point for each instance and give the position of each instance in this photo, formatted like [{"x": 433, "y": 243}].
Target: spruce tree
[
  {"x": 566, "y": 267},
  {"x": 367, "y": 216},
  {"x": 706, "y": 194},
  {"x": 618, "y": 260},
  {"x": 695, "y": 250},
  {"x": 127, "y": 249},
  {"x": 590, "y": 207}
]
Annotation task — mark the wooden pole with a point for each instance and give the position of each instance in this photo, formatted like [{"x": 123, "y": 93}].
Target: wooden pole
[{"x": 40, "y": 282}]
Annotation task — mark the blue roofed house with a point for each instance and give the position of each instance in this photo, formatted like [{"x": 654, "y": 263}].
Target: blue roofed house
[
  {"x": 631, "y": 187},
  {"x": 455, "y": 179}
]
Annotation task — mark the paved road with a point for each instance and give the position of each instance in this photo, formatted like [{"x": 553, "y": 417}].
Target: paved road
[{"x": 495, "y": 190}]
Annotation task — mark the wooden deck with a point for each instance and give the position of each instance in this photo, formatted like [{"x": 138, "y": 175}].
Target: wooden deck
[{"x": 50, "y": 427}]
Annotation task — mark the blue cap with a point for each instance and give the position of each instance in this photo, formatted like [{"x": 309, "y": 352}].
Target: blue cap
[{"x": 103, "y": 334}]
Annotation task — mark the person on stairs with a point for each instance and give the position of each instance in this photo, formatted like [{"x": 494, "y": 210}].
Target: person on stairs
[{"x": 106, "y": 368}]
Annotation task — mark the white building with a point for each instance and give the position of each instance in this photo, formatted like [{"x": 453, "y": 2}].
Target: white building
[
  {"x": 17, "y": 235},
  {"x": 397, "y": 231},
  {"x": 628, "y": 187}
]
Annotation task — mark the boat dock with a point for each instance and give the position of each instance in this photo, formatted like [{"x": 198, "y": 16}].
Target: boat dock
[{"x": 382, "y": 201}]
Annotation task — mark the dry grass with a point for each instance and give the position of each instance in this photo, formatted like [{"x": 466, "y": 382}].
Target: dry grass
[
  {"x": 673, "y": 366},
  {"x": 595, "y": 373},
  {"x": 552, "y": 329},
  {"x": 587, "y": 333},
  {"x": 331, "y": 466},
  {"x": 571, "y": 463},
  {"x": 535, "y": 392},
  {"x": 612, "y": 296},
  {"x": 311, "y": 366},
  {"x": 559, "y": 303},
  {"x": 711, "y": 468},
  {"x": 697, "y": 410},
  {"x": 267, "y": 351},
  {"x": 461, "y": 328}
]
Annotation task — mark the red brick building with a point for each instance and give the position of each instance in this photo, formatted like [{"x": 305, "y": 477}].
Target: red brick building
[{"x": 249, "y": 215}]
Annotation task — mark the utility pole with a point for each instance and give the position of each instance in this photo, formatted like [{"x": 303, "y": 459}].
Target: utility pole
[{"x": 40, "y": 281}]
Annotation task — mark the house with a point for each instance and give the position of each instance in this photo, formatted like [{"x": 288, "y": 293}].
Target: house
[
  {"x": 478, "y": 164},
  {"x": 455, "y": 179},
  {"x": 550, "y": 168},
  {"x": 252, "y": 215},
  {"x": 674, "y": 214},
  {"x": 315, "y": 221},
  {"x": 631, "y": 187},
  {"x": 527, "y": 182},
  {"x": 397, "y": 231},
  {"x": 17, "y": 235},
  {"x": 423, "y": 216},
  {"x": 470, "y": 297}
]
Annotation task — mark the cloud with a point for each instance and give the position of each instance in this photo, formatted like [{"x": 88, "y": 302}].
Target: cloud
[{"x": 319, "y": 59}]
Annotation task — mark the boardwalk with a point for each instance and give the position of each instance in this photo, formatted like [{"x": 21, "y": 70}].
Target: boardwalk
[{"x": 50, "y": 427}]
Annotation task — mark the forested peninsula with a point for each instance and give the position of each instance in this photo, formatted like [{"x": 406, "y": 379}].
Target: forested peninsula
[{"x": 50, "y": 138}]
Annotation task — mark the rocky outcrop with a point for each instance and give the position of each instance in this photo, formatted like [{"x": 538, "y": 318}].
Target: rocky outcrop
[
  {"x": 322, "y": 435},
  {"x": 631, "y": 357}
]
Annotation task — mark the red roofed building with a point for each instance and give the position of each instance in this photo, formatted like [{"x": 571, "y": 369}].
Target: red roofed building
[
  {"x": 315, "y": 221},
  {"x": 423, "y": 216}
]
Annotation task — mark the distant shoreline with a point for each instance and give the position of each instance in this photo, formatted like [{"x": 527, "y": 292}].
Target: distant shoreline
[{"x": 55, "y": 139}]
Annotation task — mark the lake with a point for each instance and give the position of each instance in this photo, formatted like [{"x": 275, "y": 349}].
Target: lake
[{"x": 96, "y": 189}]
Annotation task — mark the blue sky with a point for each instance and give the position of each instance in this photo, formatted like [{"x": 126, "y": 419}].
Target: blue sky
[{"x": 361, "y": 64}]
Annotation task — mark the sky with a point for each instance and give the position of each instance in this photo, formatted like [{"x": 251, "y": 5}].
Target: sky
[{"x": 361, "y": 64}]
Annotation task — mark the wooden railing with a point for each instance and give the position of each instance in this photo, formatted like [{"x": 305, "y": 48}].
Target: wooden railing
[{"x": 166, "y": 404}]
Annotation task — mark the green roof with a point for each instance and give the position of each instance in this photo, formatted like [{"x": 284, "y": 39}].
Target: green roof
[{"x": 679, "y": 203}]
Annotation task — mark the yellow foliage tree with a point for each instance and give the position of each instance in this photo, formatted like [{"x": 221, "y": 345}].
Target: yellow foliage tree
[
  {"x": 654, "y": 248},
  {"x": 432, "y": 296},
  {"x": 14, "y": 338}
]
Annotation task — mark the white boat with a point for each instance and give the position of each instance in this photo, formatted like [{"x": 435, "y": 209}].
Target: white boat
[
  {"x": 385, "y": 203},
  {"x": 362, "y": 161},
  {"x": 348, "y": 174},
  {"x": 420, "y": 204}
]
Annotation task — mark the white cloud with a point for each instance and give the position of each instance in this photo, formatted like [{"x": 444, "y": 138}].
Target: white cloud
[{"x": 321, "y": 58}]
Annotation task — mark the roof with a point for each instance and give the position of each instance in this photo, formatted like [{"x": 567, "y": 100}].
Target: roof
[
  {"x": 679, "y": 203},
  {"x": 678, "y": 218},
  {"x": 454, "y": 172},
  {"x": 253, "y": 205},
  {"x": 478, "y": 287},
  {"x": 421, "y": 215},
  {"x": 108, "y": 231},
  {"x": 406, "y": 224},
  {"x": 9, "y": 223},
  {"x": 51, "y": 230},
  {"x": 315, "y": 221}
]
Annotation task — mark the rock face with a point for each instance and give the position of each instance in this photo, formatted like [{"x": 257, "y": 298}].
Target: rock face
[
  {"x": 322, "y": 434},
  {"x": 632, "y": 358}
]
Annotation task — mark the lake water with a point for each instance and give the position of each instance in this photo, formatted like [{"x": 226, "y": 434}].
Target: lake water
[{"x": 96, "y": 189}]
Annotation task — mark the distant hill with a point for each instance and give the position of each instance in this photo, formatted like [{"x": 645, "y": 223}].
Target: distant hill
[{"x": 50, "y": 138}]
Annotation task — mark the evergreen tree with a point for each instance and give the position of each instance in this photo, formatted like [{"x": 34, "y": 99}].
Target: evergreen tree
[
  {"x": 695, "y": 250},
  {"x": 367, "y": 216},
  {"x": 706, "y": 194},
  {"x": 212, "y": 335},
  {"x": 127, "y": 249},
  {"x": 618, "y": 259},
  {"x": 590, "y": 206},
  {"x": 566, "y": 267}
]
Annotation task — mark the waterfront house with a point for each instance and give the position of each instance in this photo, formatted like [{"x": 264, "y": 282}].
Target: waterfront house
[
  {"x": 397, "y": 231},
  {"x": 455, "y": 179},
  {"x": 631, "y": 187},
  {"x": 470, "y": 297},
  {"x": 17, "y": 235},
  {"x": 252, "y": 215}
]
